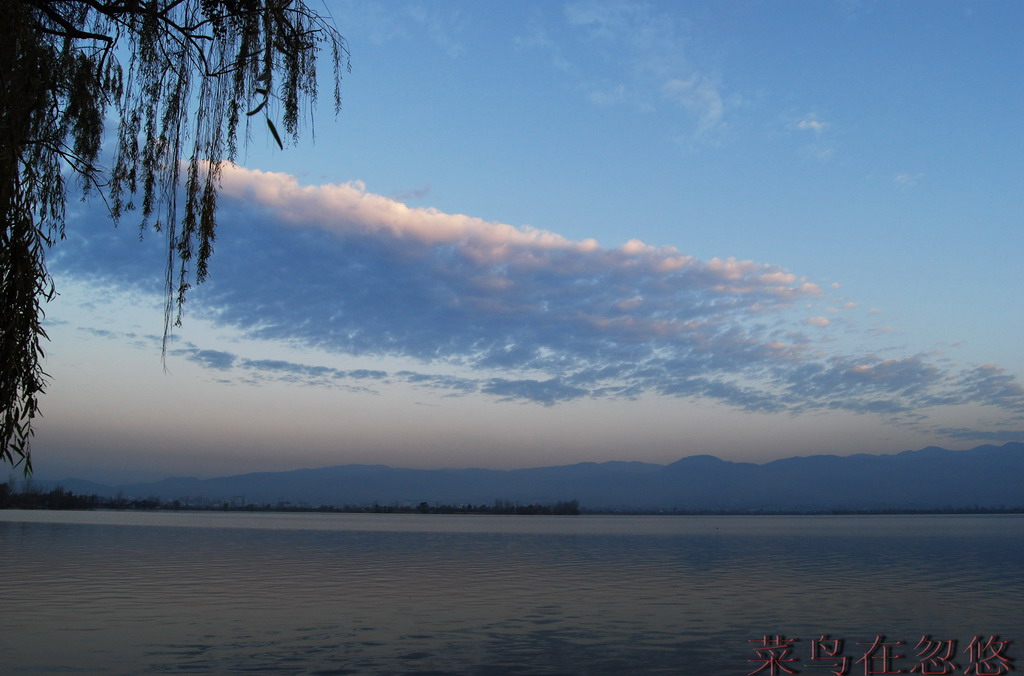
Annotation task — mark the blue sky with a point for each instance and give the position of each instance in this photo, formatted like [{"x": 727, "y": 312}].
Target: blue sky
[{"x": 542, "y": 233}]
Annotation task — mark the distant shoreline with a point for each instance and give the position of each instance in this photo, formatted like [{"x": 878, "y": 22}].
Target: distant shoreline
[{"x": 60, "y": 499}]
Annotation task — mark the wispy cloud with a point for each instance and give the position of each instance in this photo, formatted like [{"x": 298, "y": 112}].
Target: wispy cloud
[
  {"x": 982, "y": 435},
  {"x": 992, "y": 385},
  {"x": 381, "y": 23},
  {"x": 817, "y": 136},
  {"x": 441, "y": 27},
  {"x": 636, "y": 54},
  {"x": 700, "y": 96},
  {"x": 519, "y": 313},
  {"x": 811, "y": 123},
  {"x": 907, "y": 180},
  {"x": 215, "y": 359}
]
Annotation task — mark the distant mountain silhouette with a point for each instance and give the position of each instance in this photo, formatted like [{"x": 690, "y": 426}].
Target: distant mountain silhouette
[{"x": 931, "y": 478}]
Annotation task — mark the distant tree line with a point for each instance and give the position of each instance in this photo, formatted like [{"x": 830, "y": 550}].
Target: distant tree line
[
  {"x": 563, "y": 508},
  {"x": 866, "y": 511},
  {"x": 30, "y": 497},
  {"x": 61, "y": 498}
]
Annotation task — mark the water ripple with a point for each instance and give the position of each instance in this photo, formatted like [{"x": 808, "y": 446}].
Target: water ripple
[{"x": 530, "y": 596}]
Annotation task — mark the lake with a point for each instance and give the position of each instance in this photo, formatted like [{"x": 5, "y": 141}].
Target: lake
[{"x": 222, "y": 593}]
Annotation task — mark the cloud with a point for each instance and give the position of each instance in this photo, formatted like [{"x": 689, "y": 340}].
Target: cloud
[
  {"x": 821, "y": 147},
  {"x": 548, "y": 392},
  {"x": 981, "y": 435},
  {"x": 644, "y": 61},
  {"x": 842, "y": 377},
  {"x": 907, "y": 180},
  {"x": 700, "y": 96},
  {"x": 349, "y": 210},
  {"x": 811, "y": 124},
  {"x": 257, "y": 371},
  {"x": 442, "y": 29},
  {"x": 380, "y": 24},
  {"x": 992, "y": 385},
  {"x": 519, "y": 313},
  {"x": 214, "y": 359},
  {"x": 448, "y": 383}
]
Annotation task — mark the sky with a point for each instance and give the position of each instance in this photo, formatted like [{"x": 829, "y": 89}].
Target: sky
[{"x": 542, "y": 233}]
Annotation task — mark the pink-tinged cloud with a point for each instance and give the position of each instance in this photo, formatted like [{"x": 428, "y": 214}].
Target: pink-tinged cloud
[
  {"x": 518, "y": 312},
  {"x": 348, "y": 209}
]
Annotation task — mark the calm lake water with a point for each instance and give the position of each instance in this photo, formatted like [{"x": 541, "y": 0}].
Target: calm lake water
[{"x": 225, "y": 593}]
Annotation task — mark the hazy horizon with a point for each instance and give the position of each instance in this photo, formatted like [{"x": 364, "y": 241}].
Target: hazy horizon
[{"x": 137, "y": 478}]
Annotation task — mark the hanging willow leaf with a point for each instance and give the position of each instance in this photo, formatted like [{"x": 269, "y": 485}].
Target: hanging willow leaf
[
  {"x": 273, "y": 130},
  {"x": 256, "y": 109}
]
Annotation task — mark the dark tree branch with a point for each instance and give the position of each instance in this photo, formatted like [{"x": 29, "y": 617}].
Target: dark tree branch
[{"x": 192, "y": 66}]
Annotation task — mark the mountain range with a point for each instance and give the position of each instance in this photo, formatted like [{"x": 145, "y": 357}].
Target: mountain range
[{"x": 928, "y": 479}]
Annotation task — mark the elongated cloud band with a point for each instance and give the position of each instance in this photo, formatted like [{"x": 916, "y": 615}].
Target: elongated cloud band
[
  {"x": 529, "y": 314},
  {"x": 422, "y": 283}
]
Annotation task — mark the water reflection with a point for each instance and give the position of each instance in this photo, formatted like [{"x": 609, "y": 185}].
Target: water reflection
[{"x": 546, "y": 595}]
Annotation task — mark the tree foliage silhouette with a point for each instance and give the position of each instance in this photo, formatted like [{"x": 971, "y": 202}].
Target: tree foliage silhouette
[{"x": 184, "y": 80}]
